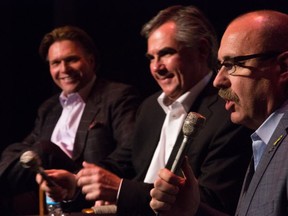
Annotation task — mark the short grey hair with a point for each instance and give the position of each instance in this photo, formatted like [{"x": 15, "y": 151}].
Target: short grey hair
[{"x": 192, "y": 27}]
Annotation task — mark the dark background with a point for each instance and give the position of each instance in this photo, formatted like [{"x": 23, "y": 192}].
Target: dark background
[{"x": 115, "y": 26}]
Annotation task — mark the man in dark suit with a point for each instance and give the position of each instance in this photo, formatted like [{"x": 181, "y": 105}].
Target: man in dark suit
[
  {"x": 182, "y": 52},
  {"x": 86, "y": 122},
  {"x": 253, "y": 80}
]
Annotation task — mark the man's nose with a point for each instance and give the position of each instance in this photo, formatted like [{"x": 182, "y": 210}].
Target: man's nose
[
  {"x": 222, "y": 80},
  {"x": 157, "y": 66},
  {"x": 63, "y": 67}
]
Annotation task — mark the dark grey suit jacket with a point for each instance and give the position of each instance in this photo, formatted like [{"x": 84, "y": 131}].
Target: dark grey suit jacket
[
  {"x": 267, "y": 193},
  {"x": 219, "y": 155},
  {"x": 107, "y": 122}
]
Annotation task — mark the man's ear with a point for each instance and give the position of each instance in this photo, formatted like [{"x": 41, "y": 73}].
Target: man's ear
[
  {"x": 91, "y": 59},
  {"x": 283, "y": 62}
]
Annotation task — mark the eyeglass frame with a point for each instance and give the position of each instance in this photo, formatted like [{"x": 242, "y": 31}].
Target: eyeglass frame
[{"x": 238, "y": 61}]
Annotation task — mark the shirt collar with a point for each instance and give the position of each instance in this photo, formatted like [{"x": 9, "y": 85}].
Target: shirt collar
[
  {"x": 188, "y": 98},
  {"x": 81, "y": 94},
  {"x": 268, "y": 127}
]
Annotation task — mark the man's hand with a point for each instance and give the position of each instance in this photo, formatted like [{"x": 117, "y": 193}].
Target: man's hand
[
  {"x": 66, "y": 184},
  {"x": 98, "y": 183},
  {"x": 173, "y": 194}
]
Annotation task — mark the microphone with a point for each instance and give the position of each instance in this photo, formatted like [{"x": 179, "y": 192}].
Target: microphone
[
  {"x": 31, "y": 160},
  {"x": 191, "y": 126},
  {"x": 193, "y": 123}
]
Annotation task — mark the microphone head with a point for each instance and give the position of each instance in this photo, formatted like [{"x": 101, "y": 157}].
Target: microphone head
[
  {"x": 30, "y": 159},
  {"x": 193, "y": 122}
]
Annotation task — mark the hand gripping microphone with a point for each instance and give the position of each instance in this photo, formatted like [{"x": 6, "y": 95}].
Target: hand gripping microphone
[
  {"x": 191, "y": 127},
  {"x": 31, "y": 160}
]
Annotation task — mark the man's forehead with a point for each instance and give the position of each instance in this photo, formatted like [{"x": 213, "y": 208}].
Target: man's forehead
[{"x": 235, "y": 43}]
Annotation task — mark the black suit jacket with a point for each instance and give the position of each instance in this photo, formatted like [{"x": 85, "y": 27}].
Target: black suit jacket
[
  {"x": 219, "y": 155},
  {"x": 107, "y": 122}
]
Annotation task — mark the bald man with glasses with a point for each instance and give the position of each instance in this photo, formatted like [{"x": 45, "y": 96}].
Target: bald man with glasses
[{"x": 255, "y": 88}]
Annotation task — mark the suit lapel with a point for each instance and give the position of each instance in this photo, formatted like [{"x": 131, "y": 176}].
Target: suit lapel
[
  {"x": 275, "y": 141},
  {"x": 152, "y": 124},
  {"x": 88, "y": 119},
  {"x": 206, "y": 98},
  {"x": 52, "y": 118}
]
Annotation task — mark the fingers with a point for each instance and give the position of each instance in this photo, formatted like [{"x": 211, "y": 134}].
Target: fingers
[
  {"x": 162, "y": 196},
  {"x": 159, "y": 206},
  {"x": 65, "y": 188},
  {"x": 57, "y": 194},
  {"x": 98, "y": 183},
  {"x": 92, "y": 192},
  {"x": 88, "y": 176},
  {"x": 175, "y": 193},
  {"x": 87, "y": 165},
  {"x": 88, "y": 179},
  {"x": 170, "y": 177},
  {"x": 102, "y": 202},
  {"x": 88, "y": 170},
  {"x": 97, "y": 175},
  {"x": 39, "y": 179},
  {"x": 99, "y": 203},
  {"x": 164, "y": 186},
  {"x": 42, "y": 182},
  {"x": 165, "y": 191}
]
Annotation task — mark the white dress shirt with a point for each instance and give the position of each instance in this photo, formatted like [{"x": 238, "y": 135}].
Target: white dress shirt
[
  {"x": 73, "y": 106},
  {"x": 175, "y": 116}
]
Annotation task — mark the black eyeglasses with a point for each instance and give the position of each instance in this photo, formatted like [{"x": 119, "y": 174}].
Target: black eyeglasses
[{"x": 231, "y": 64}]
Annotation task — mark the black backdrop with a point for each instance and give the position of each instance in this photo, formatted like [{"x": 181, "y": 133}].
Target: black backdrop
[{"x": 115, "y": 26}]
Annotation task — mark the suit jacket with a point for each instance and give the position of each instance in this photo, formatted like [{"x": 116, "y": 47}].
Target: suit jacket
[
  {"x": 219, "y": 155},
  {"x": 107, "y": 122},
  {"x": 267, "y": 193}
]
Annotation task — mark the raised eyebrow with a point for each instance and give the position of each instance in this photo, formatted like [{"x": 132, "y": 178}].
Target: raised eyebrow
[
  {"x": 166, "y": 50},
  {"x": 162, "y": 52},
  {"x": 53, "y": 61},
  {"x": 232, "y": 59},
  {"x": 72, "y": 57},
  {"x": 66, "y": 59},
  {"x": 227, "y": 58}
]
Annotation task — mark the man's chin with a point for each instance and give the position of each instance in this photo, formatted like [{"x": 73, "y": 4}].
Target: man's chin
[
  {"x": 236, "y": 118},
  {"x": 68, "y": 91}
]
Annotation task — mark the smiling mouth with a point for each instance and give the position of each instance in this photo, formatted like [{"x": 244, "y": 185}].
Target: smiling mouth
[
  {"x": 164, "y": 77},
  {"x": 69, "y": 78},
  {"x": 164, "y": 80}
]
